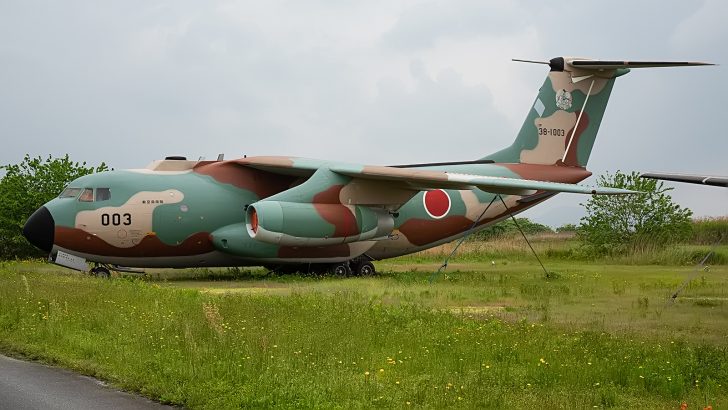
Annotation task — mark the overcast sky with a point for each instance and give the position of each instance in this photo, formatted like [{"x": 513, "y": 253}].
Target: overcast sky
[{"x": 376, "y": 82}]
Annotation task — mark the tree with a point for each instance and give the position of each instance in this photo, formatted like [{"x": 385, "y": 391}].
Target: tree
[
  {"x": 617, "y": 223},
  {"x": 508, "y": 228},
  {"x": 27, "y": 186},
  {"x": 567, "y": 227}
]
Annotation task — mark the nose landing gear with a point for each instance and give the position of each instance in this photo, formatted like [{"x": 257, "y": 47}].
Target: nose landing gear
[{"x": 100, "y": 271}]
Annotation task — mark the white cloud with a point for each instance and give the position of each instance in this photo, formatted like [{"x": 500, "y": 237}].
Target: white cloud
[
  {"x": 376, "y": 82},
  {"x": 703, "y": 32}
]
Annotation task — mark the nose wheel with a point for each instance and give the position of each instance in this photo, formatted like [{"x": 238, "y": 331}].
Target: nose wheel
[{"x": 101, "y": 271}]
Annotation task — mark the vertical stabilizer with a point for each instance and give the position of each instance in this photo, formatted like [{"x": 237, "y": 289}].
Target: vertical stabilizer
[{"x": 562, "y": 123}]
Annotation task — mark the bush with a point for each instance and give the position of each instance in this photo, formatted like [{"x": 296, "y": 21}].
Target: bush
[
  {"x": 648, "y": 221},
  {"x": 707, "y": 231},
  {"x": 567, "y": 228},
  {"x": 508, "y": 228}
]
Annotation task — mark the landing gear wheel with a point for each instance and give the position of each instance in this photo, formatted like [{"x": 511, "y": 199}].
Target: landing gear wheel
[
  {"x": 364, "y": 268},
  {"x": 340, "y": 269},
  {"x": 101, "y": 272}
]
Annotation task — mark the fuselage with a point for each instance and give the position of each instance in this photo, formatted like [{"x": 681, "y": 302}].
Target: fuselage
[
  {"x": 188, "y": 214},
  {"x": 283, "y": 210}
]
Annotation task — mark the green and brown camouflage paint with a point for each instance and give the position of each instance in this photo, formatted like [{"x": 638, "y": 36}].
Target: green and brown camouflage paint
[{"x": 263, "y": 210}]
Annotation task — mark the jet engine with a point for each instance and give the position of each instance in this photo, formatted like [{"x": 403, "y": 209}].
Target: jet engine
[{"x": 314, "y": 224}]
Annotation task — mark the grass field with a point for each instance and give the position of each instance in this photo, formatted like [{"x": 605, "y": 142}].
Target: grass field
[{"x": 492, "y": 331}]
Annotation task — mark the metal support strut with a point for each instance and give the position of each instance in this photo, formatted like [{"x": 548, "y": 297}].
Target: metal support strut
[
  {"x": 695, "y": 271},
  {"x": 469, "y": 231},
  {"x": 525, "y": 238},
  {"x": 460, "y": 242}
]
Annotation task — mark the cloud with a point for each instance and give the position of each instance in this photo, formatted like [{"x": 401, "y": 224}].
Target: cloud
[
  {"x": 439, "y": 118},
  {"x": 374, "y": 82},
  {"x": 704, "y": 31},
  {"x": 425, "y": 23}
]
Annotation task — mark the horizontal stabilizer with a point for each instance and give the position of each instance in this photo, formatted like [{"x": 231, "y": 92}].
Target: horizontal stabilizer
[
  {"x": 691, "y": 179},
  {"x": 612, "y": 64}
]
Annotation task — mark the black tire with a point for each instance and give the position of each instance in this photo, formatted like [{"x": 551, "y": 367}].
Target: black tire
[
  {"x": 364, "y": 268},
  {"x": 340, "y": 269},
  {"x": 101, "y": 272}
]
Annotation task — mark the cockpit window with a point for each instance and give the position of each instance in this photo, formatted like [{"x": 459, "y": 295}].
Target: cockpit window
[
  {"x": 87, "y": 195},
  {"x": 70, "y": 192},
  {"x": 103, "y": 194}
]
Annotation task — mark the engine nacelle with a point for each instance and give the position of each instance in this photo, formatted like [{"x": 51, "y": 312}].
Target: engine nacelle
[
  {"x": 234, "y": 239},
  {"x": 306, "y": 224}
]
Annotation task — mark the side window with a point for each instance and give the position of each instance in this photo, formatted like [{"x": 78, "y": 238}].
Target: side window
[
  {"x": 103, "y": 194},
  {"x": 87, "y": 195}
]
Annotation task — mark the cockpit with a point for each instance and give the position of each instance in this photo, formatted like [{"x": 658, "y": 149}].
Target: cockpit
[{"x": 87, "y": 194}]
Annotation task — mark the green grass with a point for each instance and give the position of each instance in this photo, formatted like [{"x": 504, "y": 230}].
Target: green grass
[
  {"x": 481, "y": 336},
  {"x": 565, "y": 247}
]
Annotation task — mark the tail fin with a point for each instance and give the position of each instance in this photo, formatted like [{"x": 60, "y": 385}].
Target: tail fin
[{"x": 562, "y": 124}]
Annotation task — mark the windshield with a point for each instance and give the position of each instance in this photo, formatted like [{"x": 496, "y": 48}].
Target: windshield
[
  {"x": 70, "y": 192},
  {"x": 87, "y": 195}
]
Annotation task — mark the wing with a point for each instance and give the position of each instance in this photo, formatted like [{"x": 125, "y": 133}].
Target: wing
[
  {"x": 353, "y": 184},
  {"x": 691, "y": 179},
  {"x": 423, "y": 180}
]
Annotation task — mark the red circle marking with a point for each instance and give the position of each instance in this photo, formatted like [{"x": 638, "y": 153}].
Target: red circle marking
[{"x": 437, "y": 203}]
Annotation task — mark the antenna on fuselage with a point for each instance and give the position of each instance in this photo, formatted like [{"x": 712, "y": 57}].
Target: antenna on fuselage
[{"x": 220, "y": 157}]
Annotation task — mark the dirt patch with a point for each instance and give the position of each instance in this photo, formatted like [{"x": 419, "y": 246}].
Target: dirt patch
[{"x": 477, "y": 310}]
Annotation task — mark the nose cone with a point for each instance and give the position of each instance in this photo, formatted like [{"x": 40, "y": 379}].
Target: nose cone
[{"x": 39, "y": 229}]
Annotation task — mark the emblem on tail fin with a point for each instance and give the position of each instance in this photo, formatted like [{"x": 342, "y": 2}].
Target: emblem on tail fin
[{"x": 563, "y": 99}]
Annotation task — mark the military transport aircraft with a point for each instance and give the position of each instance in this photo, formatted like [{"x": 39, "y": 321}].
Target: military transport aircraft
[
  {"x": 319, "y": 215},
  {"x": 688, "y": 178}
]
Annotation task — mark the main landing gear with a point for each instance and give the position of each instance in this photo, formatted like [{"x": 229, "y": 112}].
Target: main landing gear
[
  {"x": 363, "y": 268},
  {"x": 354, "y": 267}
]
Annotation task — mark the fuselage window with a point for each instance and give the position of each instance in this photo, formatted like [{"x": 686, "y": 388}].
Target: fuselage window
[
  {"x": 103, "y": 194},
  {"x": 70, "y": 192},
  {"x": 87, "y": 195}
]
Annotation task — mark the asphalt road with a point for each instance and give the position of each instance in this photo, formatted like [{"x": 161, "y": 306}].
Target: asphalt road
[{"x": 28, "y": 385}]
